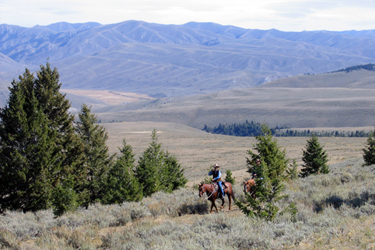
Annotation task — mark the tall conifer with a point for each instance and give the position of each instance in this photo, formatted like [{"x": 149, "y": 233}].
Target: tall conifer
[
  {"x": 157, "y": 170},
  {"x": 150, "y": 165},
  {"x": 97, "y": 158},
  {"x": 28, "y": 159},
  {"x": 270, "y": 177},
  {"x": 40, "y": 155},
  {"x": 122, "y": 183},
  {"x": 173, "y": 174}
]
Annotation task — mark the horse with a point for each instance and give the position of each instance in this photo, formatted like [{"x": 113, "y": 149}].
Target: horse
[
  {"x": 209, "y": 189},
  {"x": 248, "y": 187}
]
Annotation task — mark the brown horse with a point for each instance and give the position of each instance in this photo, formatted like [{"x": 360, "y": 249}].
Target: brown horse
[
  {"x": 248, "y": 187},
  {"x": 213, "y": 194}
]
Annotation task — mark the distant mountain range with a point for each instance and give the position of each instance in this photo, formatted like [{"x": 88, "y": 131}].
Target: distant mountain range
[{"x": 176, "y": 60}]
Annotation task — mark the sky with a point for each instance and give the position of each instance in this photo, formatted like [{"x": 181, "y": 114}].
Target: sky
[{"x": 284, "y": 15}]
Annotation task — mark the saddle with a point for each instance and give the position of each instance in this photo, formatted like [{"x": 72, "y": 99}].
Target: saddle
[{"x": 216, "y": 187}]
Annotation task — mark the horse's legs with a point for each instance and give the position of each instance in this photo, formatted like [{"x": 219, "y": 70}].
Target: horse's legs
[
  {"x": 215, "y": 206},
  {"x": 212, "y": 205},
  {"x": 230, "y": 202},
  {"x": 222, "y": 203}
]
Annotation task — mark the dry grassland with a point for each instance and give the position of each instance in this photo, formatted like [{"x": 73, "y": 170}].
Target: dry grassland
[
  {"x": 334, "y": 211},
  {"x": 197, "y": 150},
  {"x": 109, "y": 96}
]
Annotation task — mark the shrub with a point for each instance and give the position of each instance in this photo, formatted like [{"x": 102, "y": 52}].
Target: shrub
[
  {"x": 315, "y": 158},
  {"x": 369, "y": 150}
]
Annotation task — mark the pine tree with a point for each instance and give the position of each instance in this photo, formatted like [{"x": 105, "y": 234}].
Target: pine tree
[
  {"x": 229, "y": 177},
  {"x": 31, "y": 152},
  {"x": 23, "y": 134},
  {"x": 269, "y": 183},
  {"x": 173, "y": 174},
  {"x": 122, "y": 183},
  {"x": 150, "y": 165},
  {"x": 369, "y": 150},
  {"x": 97, "y": 159},
  {"x": 292, "y": 171},
  {"x": 69, "y": 166},
  {"x": 157, "y": 170},
  {"x": 315, "y": 158}
]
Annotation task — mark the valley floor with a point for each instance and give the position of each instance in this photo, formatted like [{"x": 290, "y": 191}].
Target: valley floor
[{"x": 197, "y": 150}]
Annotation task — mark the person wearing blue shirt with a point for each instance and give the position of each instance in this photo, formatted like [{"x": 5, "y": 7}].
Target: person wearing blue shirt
[{"x": 216, "y": 174}]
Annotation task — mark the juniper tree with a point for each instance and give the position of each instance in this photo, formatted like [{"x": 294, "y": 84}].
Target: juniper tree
[
  {"x": 315, "y": 158},
  {"x": 269, "y": 183},
  {"x": 122, "y": 183},
  {"x": 369, "y": 150},
  {"x": 97, "y": 158}
]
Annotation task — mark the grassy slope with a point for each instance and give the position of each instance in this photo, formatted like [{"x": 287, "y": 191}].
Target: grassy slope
[
  {"x": 336, "y": 100},
  {"x": 334, "y": 210},
  {"x": 198, "y": 150}
]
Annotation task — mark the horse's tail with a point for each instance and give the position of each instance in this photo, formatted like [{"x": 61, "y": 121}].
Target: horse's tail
[{"x": 233, "y": 196}]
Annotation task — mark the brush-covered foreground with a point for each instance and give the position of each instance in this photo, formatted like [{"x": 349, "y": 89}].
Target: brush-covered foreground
[{"x": 335, "y": 211}]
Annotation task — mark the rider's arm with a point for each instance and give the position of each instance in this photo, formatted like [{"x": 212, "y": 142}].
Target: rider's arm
[{"x": 211, "y": 173}]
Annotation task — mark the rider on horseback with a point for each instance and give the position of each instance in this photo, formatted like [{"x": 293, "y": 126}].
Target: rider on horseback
[
  {"x": 216, "y": 173},
  {"x": 258, "y": 170}
]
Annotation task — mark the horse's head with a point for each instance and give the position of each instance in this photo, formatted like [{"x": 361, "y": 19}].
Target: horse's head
[
  {"x": 247, "y": 185},
  {"x": 202, "y": 189}
]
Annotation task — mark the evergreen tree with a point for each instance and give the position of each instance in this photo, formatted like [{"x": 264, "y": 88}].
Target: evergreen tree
[
  {"x": 315, "y": 158},
  {"x": 158, "y": 170},
  {"x": 150, "y": 166},
  {"x": 292, "y": 171},
  {"x": 369, "y": 150},
  {"x": 34, "y": 171},
  {"x": 269, "y": 181},
  {"x": 173, "y": 174},
  {"x": 229, "y": 177},
  {"x": 68, "y": 146},
  {"x": 122, "y": 183},
  {"x": 97, "y": 159},
  {"x": 24, "y": 135}
]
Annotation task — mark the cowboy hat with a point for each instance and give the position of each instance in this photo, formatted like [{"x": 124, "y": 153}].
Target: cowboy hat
[{"x": 216, "y": 166}]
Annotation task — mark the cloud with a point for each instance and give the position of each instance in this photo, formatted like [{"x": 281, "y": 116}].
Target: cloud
[{"x": 294, "y": 15}]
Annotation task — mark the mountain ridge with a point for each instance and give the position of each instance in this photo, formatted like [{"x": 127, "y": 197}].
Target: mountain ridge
[{"x": 177, "y": 60}]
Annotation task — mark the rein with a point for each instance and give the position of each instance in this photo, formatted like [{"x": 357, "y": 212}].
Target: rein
[{"x": 213, "y": 192}]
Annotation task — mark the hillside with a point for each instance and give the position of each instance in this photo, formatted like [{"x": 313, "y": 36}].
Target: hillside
[
  {"x": 328, "y": 100},
  {"x": 355, "y": 79},
  {"x": 176, "y": 60},
  {"x": 332, "y": 210},
  {"x": 197, "y": 150}
]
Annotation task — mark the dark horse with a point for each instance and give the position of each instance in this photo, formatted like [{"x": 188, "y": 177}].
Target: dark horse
[
  {"x": 213, "y": 194},
  {"x": 248, "y": 187}
]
